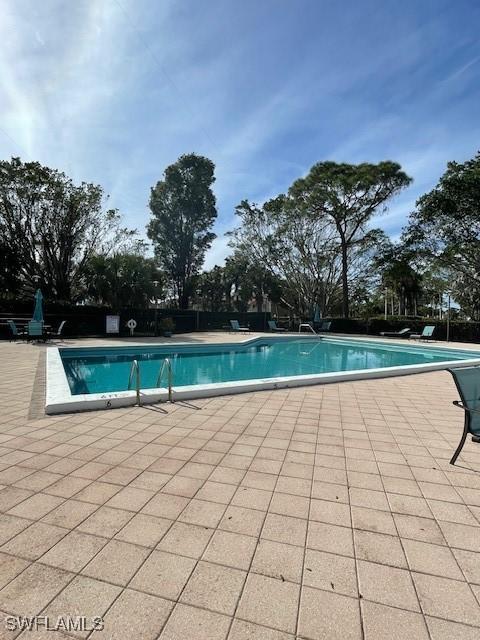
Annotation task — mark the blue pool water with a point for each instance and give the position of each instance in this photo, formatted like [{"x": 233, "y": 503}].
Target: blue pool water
[{"x": 101, "y": 370}]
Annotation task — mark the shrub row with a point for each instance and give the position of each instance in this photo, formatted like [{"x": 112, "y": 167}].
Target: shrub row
[{"x": 460, "y": 331}]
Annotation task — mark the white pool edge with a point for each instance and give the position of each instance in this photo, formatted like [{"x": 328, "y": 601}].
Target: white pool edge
[{"x": 59, "y": 398}]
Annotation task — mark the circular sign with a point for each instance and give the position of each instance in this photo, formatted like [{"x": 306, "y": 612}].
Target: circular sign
[{"x": 131, "y": 324}]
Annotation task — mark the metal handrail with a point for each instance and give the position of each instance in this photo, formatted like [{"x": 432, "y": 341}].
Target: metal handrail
[
  {"x": 168, "y": 365},
  {"x": 306, "y": 325},
  {"x": 135, "y": 369}
]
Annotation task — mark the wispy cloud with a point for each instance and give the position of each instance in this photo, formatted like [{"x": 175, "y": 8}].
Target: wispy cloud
[{"x": 460, "y": 71}]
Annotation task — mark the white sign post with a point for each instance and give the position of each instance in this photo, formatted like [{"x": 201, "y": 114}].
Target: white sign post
[{"x": 112, "y": 324}]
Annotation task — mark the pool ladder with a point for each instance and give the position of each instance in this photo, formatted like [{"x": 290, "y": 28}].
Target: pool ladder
[
  {"x": 306, "y": 325},
  {"x": 135, "y": 374},
  {"x": 135, "y": 370},
  {"x": 166, "y": 364}
]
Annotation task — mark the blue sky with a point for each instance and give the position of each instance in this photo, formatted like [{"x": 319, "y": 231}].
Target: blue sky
[{"x": 112, "y": 91}]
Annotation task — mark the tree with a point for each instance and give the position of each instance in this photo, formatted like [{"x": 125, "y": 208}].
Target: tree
[
  {"x": 348, "y": 195},
  {"x": 52, "y": 227},
  {"x": 297, "y": 250},
  {"x": 301, "y": 248},
  {"x": 10, "y": 279},
  {"x": 466, "y": 292},
  {"x": 211, "y": 289},
  {"x": 234, "y": 286},
  {"x": 364, "y": 277},
  {"x": 445, "y": 225},
  {"x": 183, "y": 212},
  {"x": 247, "y": 279},
  {"x": 124, "y": 279},
  {"x": 399, "y": 278}
]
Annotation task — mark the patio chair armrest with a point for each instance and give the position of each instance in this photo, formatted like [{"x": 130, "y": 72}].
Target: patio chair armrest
[{"x": 458, "y": 403}]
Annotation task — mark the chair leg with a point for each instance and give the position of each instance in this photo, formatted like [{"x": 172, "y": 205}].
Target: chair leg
[{"x": 462, "y": 442}]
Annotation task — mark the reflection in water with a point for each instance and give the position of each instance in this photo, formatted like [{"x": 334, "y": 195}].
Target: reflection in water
[{"x": 109, "y": 371}]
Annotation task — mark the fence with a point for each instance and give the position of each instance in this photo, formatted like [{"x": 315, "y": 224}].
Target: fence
[
  {"x": 84, "y": 321},
  {"x": 90, "y": 321}
]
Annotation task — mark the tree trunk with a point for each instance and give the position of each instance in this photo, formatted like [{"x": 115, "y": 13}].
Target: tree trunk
[
  {"x": 345, "y": 300},
  {"x": 182, "y": 295}
]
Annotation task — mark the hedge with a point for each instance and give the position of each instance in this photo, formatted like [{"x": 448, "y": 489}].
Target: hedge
[{"x": 460, "y": 331}]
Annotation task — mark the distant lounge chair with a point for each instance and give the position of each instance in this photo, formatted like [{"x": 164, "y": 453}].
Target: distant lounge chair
[
  {"x": 467, "y": 380},
  {"x": 35, "y": 330},
  {"x": 272, "y": 325},
  {"x": 58, "y": 332},
  {"x": 15, "y": 333},
  {"x": 403, "y": 333},
  {"x": 236, "y": 326},
  {"x": 325, "y": 326},
  {"x": 427, "y": 333}
]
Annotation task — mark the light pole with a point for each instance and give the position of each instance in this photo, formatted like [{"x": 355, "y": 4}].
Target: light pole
[
  {"x": 155, "y": 284},
  {"x": 448, "y": 317},
  {"x": 386, "y": 302}
]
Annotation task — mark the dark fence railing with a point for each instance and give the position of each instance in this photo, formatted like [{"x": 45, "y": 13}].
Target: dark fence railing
[
  {"x": 90, "y": 321},
  {"x": 84, "y": 321}
]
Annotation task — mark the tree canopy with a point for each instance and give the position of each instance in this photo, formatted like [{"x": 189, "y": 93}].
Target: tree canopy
[
  {"x": 445, "y": 226},
  {"x": 236, "y": 285},
  {"x": 296, "y": 250},
  {"x": 122, "y": 279},
  {"x": 183, "y": 212},
  {"x": 314, "y": 247},
  {"x": 348, "y": 196},
  {"x": 52, "y": 228},
  {"x": 316, "y": 238}
]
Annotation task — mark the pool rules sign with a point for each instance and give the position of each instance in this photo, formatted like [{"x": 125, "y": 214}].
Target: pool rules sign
[{"x": 112, "y": 324}]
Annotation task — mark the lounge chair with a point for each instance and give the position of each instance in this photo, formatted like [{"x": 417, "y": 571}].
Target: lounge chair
[
  {"x": 403, "y": 333},
  {"x": 236, "y": 326},
  {"x": 467, "y": 380},
  {"x": 427, "y": 333},
  {"x": 35, "y": 331},
  {"x": 272, "y": 325},
  {"x": 15, "y": 332},
  {"x": 325, "y": 326},
  {"x": 58, "y": 332}
]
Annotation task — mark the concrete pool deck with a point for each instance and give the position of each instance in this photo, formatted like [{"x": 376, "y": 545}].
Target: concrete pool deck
[{"x": 323, "y": 512}]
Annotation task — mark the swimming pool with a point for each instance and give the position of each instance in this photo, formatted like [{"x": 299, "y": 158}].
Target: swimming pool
[{"x": 79, "y": 378}]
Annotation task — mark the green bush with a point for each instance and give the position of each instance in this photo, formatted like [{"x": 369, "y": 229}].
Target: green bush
[
  {"x": 460, "y": 331},
  {"x": 167, "y": 325}
]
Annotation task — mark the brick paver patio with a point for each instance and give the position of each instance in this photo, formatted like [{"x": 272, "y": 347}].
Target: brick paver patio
[{"x": 326, "y": 513}]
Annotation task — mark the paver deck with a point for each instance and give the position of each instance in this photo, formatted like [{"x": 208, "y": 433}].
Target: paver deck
[{"x": 326, "y": 512}]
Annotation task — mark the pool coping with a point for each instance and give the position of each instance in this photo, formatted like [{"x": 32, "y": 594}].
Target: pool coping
[{"x": 59, "y": 398}]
